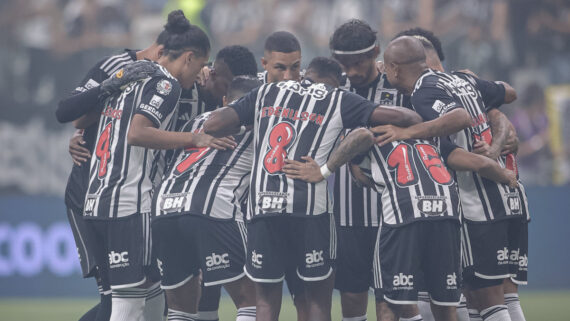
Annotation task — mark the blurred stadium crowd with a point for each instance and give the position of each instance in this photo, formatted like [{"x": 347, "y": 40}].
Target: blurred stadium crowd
[{"x": 46, "y": 45}]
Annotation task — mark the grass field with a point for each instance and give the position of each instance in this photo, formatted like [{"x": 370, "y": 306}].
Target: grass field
[{"x": 537, "y": 306}]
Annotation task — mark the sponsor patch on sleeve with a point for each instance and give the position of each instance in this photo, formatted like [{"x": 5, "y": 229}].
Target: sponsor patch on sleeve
[
  {"x": 91, "y": 84},
  {"x": 156, "y": 101},
  {"x": 441, "y": 108}
]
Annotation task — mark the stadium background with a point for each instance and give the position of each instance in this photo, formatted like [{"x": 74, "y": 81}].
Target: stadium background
[{"x": 47, "y": 45}]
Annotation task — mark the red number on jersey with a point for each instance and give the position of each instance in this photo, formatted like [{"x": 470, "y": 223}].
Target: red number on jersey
[
  {"x": 192, "y": 156},
  {"x": 401, "y": 161},
  {"x": 485, "y": 136},
  {"x": 511, "y": 163},
  {"x": 280, "y": 137},
  {"x": 102, "y": 150},
  {"x": 433, "y": 164}
]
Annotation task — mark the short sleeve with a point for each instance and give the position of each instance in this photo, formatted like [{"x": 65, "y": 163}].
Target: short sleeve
[
  {"x": 446, "y": 147},
  {"x": 355, "y": 111},
  {"x": 159, "y": 98},
  {"x": 245, "y": 107},
  {"x": 432, "y": 102},
  {"x": 93, "y": 79},
  {"x": 493, "y": 94}
]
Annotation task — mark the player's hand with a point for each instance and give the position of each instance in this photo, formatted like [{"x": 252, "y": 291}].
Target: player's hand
[
  {"x": 512, "y": 177},
  {"x": 308, "y": 171},
  {"x": 205, "y": 140},
  {"x": 79, "y": 154},
  {"x": 134, "y": 71},
  {"x": 511, "y": 145},
  {"x": 482, "y": 148},
  {"x": 386, "y": 134},
  {"x": 203, "y": 76}
]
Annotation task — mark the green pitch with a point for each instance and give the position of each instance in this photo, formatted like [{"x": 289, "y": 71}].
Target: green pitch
[{"x": 536, "y": 305}]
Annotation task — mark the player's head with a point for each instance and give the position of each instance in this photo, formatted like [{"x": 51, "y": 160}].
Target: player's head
[
  {"x": 186, "y": 49},
  {"x": 282, "y": 57},
  {"x": 404, "y": 62},
  {"x": 240, "y": 86},
  {"x": 230, "y": 62},
  {"x": 354, "y": 45},
  {"x": 324, "y": 70},
  {"x": 432, "y": 46}
]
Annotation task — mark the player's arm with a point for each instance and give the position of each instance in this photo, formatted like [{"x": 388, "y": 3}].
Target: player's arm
[
  {"x": 228, "y": 120},
  {"x": 459, "y": 159},
  {"x": 500, "y": 129},
  {"x": 394, "y": 115},
  {"x": 358, "y": 175},
  {"x": 354, "y": 144},
  {"x": 512, "y": 143}
]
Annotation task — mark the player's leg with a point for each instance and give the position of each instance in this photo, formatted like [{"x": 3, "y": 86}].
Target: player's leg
[
  {"x": 266, "y": 263},
  {"x": 209, "y": 303},
  {"x": 424, "y": 306},
  {"x": 297, "y": 291},
  {"x": 176, "y": 250},
  {"x": 314, "y": 244},
  {"x": 486, "y": 265},
  {"x": 518, "y": 245}
]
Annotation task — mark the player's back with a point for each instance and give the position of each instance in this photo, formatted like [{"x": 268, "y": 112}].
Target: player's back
[
  {"x": 206, "y": 181},
  {"x": 120, "y": 181}
]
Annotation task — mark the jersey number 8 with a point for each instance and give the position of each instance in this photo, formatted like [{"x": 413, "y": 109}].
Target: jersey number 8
[{"x": 281, "y": 137}]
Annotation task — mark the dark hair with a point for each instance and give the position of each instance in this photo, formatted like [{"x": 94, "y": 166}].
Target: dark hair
[
  {"x": 425, "y": 35},
  {"x": 241, "y": 85},
  {"x": 239, "y": 59},
  {"x": 325, "y": 67},
  {"x": 282, "y": 41},
  {"x": 182, "y": 36},
  {"x": 353, "y": 35}
]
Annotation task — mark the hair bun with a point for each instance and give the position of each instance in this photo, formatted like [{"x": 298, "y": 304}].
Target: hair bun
[{"x": 177, "y": 22}]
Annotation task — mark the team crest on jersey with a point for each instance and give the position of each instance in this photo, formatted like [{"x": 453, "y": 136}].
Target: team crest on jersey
[
  {"x": 272, "y": 201},
  {"x": 388, "y": 97},
  {"x": 432, "y": 205},
  {"x": 173, "y": 202},
  {"x": 164, "y": 87}
]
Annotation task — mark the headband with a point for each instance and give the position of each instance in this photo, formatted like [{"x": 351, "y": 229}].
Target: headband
[
  {"x": 355, "y": 52},
  {"x": 422, "y": 38}
]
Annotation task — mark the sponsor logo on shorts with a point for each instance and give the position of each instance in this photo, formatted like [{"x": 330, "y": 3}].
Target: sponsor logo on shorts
[
  {"x": 118, "y": 259},
  {"x": 503, "y": 256},
  {"x": 272, "y": 201},
  {"x": 217, "y": 261},
  {"x": 256, "y": 259},
  {"x": 403, "y": 282},
  {"x": 173, "y": 202},
  {"x": 159, "y": 265},
  {"x": 451, "y": 281},
  {"x": 523, "y": 262},
  {"x": 314, "y": 259},
  {"x": 432, "y": 205}
]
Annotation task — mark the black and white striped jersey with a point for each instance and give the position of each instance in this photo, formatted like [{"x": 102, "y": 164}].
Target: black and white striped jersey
[
  {"x": 436, "y": 93},
  {"x": 79, "y": 177},
  {"x": 293, "y": 119},
  {"x": 355, "y": 205},
  {"x": 413, "y": 181},
  {"x": 206, "y": 181},
  {"x": 120, "y": 181},
  {"x": 190, "y": 105}
]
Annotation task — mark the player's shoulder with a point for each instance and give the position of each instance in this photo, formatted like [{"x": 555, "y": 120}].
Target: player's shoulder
[
  {"x": 163, "y": 82},
  {"x": 196, "y": 123},
  {"x": 110, "y": 64}
]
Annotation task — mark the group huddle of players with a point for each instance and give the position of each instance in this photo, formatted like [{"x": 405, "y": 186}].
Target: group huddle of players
[{"x": 173, "y": 195}]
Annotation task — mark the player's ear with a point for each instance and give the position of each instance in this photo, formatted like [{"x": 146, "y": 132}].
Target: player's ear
[
  {"x": 225, "y": 100},
  {"x": 376, "y": 51},
  {"x": 190, "y": 56},
  {"x": 159, "y": 51},
  {"x": 263, "y": 62}
]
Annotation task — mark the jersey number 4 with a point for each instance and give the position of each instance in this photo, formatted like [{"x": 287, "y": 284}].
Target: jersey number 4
[
  {"x": 281, "y": 137},
  {"x": 103, "y": 149},
  {"x": 401, "y": 160}
]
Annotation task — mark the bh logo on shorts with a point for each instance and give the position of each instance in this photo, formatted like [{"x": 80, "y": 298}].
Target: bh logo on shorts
[
  {"x": 503, "y": 256},
  {"x": 118, "y": 259},
  {"x": 403, "y": 282},
  {"x": 256, "y": 259},
  {"x": 314, "y": 258},
  {"x": 217, "y": 261},
  {"x": 451, "y": 281}
]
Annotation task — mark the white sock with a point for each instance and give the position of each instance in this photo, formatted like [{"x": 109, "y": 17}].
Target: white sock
[
  {"x": 424, "y": 306},
  {"x": 154, "y": 303},
  {"x": 128, "y": 304},
  {"x": 514, "y": 306},
  {"x": 360, "y": 318},
  {"x": 462, "y": 313},
  {"x": 496, "y": 313},
  {"x": 174, "y": 315},
  {"x": 415, "y": 318},
  {"x": 246, "y": 314},
  {"x": 474, "y": 315},
  {"x": 208, "y": 316}
]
